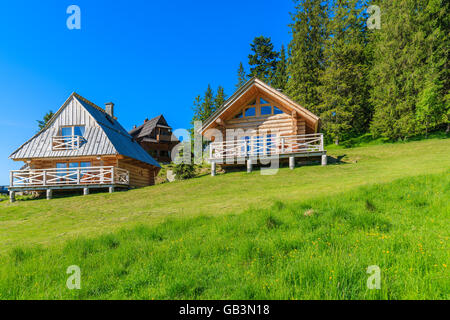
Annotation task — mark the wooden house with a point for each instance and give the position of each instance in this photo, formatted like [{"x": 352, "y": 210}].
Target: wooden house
[
  {"x": 260, "y": 122},
  {"x": 81, "y": 147},
  {"x": 155, "y": 136}
]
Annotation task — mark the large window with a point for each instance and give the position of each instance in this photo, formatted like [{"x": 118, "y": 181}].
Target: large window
[
  {"x": 250, "y": 112},
  {"x": 262, "y": 109}
]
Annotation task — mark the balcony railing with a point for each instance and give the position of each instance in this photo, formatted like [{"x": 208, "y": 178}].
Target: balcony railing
[
  {"x": 258, "y": 146},
  {"x": 69, "y": 177},
  {"x": 60, "y": 143}
]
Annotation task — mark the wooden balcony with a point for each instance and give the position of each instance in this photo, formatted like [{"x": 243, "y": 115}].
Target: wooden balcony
[
  {"x": 60, "y": 143},
  {"x": 70, "y": 178},
  {"x": 266, "y": 146}
]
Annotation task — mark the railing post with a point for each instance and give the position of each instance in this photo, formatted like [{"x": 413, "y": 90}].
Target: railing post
[
  {"x": 211, "y": 150},
  {"x": 321, "y": 142},
  {"x": 113, "y": 175},
  {"x": 78, "y": 176},
  {"x": 282, "y": 145},
  {"x": 44, "y": 178},
  {"x": 11, "y": 179},
  {"x": 245, "y": 148}
]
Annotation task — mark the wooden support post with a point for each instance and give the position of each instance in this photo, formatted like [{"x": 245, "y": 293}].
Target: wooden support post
[
  {"x": 292, "y": 162},
  {"x": 324, "y": 159},
  {"x": 111, "y": 189},
  {"x": 213, "y": 169},
  {"x": 249, "y": 165},
  {"x": 12, "y": 196},
  {"x": 49, "y": 194},
  {"x": 85, "y": 191}
]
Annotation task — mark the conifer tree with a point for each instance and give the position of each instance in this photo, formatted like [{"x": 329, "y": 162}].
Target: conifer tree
[
  {"x": 263, "y": 59},
  {"x": 344, "y": 108},
  {"x": 410, "y": 68},
  {"x": 242, "y": 77},
  {"x": 281, "y": 76},
  {"x": 306, "y": 52},
  {"x": 220, "y": 98}
]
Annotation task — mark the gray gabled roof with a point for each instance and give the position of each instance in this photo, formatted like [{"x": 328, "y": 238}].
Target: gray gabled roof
[{"x": 108, "y": 138}]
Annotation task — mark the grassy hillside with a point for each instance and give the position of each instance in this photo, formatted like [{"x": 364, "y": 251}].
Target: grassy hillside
[{"x": 310, "y": 233}]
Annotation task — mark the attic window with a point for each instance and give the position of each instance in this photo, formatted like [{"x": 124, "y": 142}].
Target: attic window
[
  {"x": 70, "y": 138},
  {"x": 250, "y": 112},
  {"x": 239, "y": 115},
  {"x": 72, "y": 131},
  {"x": 277, "y": 110}
]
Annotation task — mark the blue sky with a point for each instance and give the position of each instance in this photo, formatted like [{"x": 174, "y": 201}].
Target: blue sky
[{"x": 148, "y": 57}]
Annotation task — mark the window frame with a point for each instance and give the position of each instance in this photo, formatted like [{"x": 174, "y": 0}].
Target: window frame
[{"x": 73, "y": 130}]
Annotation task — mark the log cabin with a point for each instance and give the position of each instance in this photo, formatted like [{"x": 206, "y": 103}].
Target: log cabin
[
  {"x": 156, "y": 137},
  {"x": 259, "y": 122},
  {"x": 82, "y": 147}
]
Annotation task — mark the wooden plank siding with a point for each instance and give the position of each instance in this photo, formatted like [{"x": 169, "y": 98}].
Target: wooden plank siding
[{"x": 141, "y": 175}]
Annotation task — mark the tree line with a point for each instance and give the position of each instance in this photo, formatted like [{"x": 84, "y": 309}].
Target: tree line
[{"x": 391, "y": 81}]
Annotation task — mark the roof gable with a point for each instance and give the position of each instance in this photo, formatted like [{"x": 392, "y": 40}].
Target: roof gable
[
  {"x": 148, "y": 127},
  {"x": 246, "y": 93},
  {"x": 104, "y": 134}
]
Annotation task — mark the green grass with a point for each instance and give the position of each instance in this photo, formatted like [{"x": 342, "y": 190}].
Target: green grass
[
  {"x": 274, "y": 253},
  {"x": 241, "y": 235}
]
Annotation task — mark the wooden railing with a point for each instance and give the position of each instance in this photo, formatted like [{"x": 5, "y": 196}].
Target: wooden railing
[
  {"x": 69, "y": 177},
  {"x": 60, "y": 143},
  {"x": 266, "y": 146}
]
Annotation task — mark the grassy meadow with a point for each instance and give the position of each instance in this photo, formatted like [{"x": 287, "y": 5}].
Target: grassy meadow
[{"x": 310, "y": 233}]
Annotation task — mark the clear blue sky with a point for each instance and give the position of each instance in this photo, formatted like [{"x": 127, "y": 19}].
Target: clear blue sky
[{"x": 148, "y": 57}]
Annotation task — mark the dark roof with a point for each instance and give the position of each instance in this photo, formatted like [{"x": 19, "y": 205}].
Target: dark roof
[{"x": 145, "y": 130}]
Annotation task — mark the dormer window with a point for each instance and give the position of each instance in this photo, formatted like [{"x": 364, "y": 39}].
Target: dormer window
[
  {"x": 72, "y": 131},
  {"x": 69, "y": 138}
]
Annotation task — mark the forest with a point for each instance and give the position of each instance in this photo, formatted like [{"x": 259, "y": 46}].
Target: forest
[{"x": 365, "y": 67}]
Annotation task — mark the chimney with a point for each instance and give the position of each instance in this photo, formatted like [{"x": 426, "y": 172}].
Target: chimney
[
  {"x": 109, "y": 109},
  {"x": 134, "y": 127},
  {"x": 146, "y": 120}
]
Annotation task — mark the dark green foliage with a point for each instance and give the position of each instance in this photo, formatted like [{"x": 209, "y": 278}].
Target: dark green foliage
[
  {"x": 344, "y": 108},
  {"x": 220, "y": 98},
  {"x": 205, "y": 106},
  {"x": 280, "y": 77},
  {"x": 263, "y": 60},
  {"x": 184, "y": 171},
  {"x": 242, "y": 77},
  {"x": 306, "y": 60},
  {"x": 43, "y": 122},
  {"x": 409, "y": 77}
]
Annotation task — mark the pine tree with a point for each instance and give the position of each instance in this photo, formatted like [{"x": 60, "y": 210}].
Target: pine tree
[
  {"x": 344, "y": 108},
  {"x": 306, "y": 61},
  {"x": 407, "y": 79},
  {"x": 242, "y": 77},
  {"x": 220, "y": 98},
  {"x": 263, "y": 61},
  {"x": 42, "y": 123},
  {"x": 280, "y": 78},
  {"x": 205, "y": 106}
]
